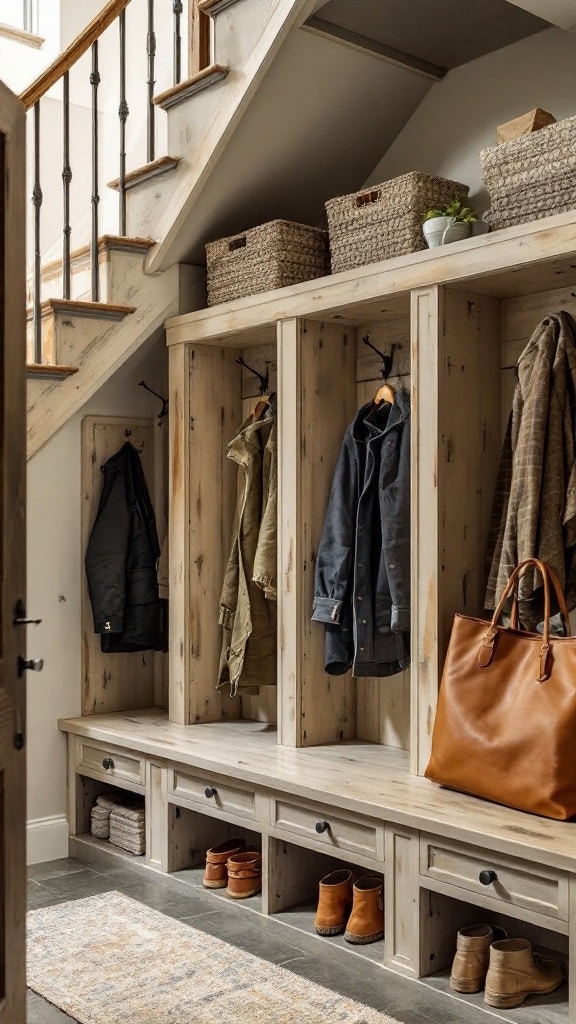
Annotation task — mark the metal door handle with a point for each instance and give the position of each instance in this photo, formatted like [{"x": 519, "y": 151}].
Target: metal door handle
[{"x": 30, "y": 665}]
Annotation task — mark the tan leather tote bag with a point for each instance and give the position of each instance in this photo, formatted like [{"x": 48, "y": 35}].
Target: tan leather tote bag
[{"x": 505, "y": 726}]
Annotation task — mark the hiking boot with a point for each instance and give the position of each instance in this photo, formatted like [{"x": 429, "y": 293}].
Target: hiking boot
[
  {"x": 515, "y": 973},
  {"x": 244, "y": 874},
  {"x": 366, "y": 922},
  {"x": 334, "y": 902},
  {"x": 215, "y": 876}
]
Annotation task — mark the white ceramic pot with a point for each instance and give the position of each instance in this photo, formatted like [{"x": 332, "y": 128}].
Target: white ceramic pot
[{"x": 440, "y": 230}]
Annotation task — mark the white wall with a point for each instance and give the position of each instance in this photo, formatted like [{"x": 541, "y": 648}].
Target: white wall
[
  {"x": 460, "y": 114},
  {"x": 55, "y": 566}
]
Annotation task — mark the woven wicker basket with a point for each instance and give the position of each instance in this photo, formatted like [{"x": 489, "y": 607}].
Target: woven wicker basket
[
  {"x": 386, "y": 219},
  {"x": 271, "y": 255},
  {"x": 531, "y": 177}
]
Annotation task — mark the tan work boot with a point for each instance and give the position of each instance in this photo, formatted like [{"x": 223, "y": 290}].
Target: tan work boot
[
  {"x": 244, "y": 874},
  {"x": 366, "y": 922},
  {"x": 472, "y": 957},
  {"x": 335, "y": 900},
  {"x": 215, "y": 876},
  {"x": 515, "y": 973}
]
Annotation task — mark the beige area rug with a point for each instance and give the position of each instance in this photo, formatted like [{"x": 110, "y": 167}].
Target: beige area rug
[{"x": 108, "y": 959}]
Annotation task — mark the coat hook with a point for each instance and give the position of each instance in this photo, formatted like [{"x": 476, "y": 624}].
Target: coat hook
[
  {"x": 387, "y": 361},
  {"x": 264, "y": 378},
  {"x": 164, "y": 410}
]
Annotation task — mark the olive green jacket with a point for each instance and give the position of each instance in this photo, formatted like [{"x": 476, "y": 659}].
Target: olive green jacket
[{"x": 248, "y": 599}]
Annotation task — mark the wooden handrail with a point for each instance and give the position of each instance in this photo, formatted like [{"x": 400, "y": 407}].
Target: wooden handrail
[{"x": 70, "y": 55}]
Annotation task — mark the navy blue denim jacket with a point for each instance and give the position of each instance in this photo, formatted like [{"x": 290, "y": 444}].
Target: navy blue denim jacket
[{"x": 362, "y": 576}]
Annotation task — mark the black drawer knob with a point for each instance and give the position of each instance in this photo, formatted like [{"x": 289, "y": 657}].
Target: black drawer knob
[
  {"x": 487, "y": 877},
  {"x": 210, "y": 792},
  {"x": 107, "y": 763},
  {"x": 322, "y": 826}
]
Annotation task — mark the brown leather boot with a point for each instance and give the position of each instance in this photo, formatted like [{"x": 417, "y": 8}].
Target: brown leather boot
[
  {"x": 470, "y": 963},
  {"x": 244, "y": 874},
  {"x": 334, "y": 902},
  {"x": 515, "y": 973},
  {"x": 215, "y": 876},
  {"x": 366, "y": 922}
]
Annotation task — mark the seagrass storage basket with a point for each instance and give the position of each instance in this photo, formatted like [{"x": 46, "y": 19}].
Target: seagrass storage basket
[
  {"x": 385, "y": 220},
  {"x": 531, "y": 177},
  {"x": 271, "y": 255}
]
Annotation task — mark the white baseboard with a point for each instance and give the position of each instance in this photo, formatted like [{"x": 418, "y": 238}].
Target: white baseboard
[{"x": 46, "y": 839}]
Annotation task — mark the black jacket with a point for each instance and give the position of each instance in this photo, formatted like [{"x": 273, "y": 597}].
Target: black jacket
[
  {"x": 121, "y": 561},
  {"x": 362, "y": 576}
]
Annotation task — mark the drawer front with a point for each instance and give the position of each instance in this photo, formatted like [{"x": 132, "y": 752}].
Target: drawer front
[
  {"x": 211, "y": 794},
  {"x": 326, "y": 829},
  {"x": 112, "y": 763},
  {"x": 510, "y": 881}
]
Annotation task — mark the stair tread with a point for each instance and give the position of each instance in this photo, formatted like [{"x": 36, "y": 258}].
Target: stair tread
[
  {"x": 149, "y": 170},
  {"x": 105, "y": 243},
  {"x": 49, "y": 370},
  {"x": 202, "y": 80},
  {"x": 208, "y": 5},
  {"x": 82, "y": 308}
]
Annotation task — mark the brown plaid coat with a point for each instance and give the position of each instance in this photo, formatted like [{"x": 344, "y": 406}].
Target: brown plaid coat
[{"x": 534, "y": 511}]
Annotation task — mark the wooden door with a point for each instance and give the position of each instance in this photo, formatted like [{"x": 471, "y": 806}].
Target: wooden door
[{"x": 12, "y": 562}]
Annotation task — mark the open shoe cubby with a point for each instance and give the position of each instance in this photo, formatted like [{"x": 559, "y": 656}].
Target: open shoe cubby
[
  {"x": 443, "y": 916},
  {"x": 349, "y": 749}
]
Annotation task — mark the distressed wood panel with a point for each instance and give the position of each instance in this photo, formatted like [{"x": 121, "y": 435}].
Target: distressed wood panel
[
  {"x": 156, "y": 816},
  {"x": 112, "y": 682},
  {"x": 456, "y": 418},
  {"x": 401, "y": 916},
  {"x": 211, "y": 416},
  {"x": 521, "y": 315},
  {"x": 316, "y": 367},
  {"x": 383, "y": 705}
]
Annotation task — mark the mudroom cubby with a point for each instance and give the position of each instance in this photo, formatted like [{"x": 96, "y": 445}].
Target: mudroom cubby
[
  {"x": 118, "y": 682},
  {"x": 293, "y": 889},
  {"x": 338, "y": 749},
  {"x": 443, "y": 915}
]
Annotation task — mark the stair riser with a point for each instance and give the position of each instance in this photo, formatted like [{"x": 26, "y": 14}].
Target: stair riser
[
  {"x": 119, "y": 271},
  {"x": 66, "y": 335}
]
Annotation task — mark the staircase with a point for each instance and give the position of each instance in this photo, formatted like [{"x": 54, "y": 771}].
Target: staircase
[{"x": 90, "y": 309}]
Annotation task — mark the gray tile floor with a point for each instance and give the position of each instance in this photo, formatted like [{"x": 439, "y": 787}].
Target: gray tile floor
[{"x": 306, "y": 955}]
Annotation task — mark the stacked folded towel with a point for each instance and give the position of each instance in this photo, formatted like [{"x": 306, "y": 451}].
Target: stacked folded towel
[
  {"x": 119, "y": 817},
  {"x": 128, "y": 829}
]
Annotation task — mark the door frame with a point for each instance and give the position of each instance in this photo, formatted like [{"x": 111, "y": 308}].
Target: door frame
[{"x": 12, "y": 560}]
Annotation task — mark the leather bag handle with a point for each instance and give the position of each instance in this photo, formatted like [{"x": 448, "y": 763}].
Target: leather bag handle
[
  {"x": 559, "y": 595},
  {"x": 487, "y": 647}
]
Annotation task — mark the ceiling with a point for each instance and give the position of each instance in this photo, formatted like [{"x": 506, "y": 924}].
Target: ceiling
[{"x": 476, "y": 27}]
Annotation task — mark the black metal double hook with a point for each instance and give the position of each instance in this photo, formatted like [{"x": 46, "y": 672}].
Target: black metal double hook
[
  {"x": 387, "y": 361},
  {"x": 164, "y": 410},
  {"x": 264, "y": 378}
]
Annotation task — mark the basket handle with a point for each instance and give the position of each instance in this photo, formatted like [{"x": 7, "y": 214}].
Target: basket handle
[
  {"x": 368, "y": 197},
  {"x": 237, "y": 243}
]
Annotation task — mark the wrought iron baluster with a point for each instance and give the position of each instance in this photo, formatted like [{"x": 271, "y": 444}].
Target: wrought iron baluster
[
  {"x": 95, "y": 82},
  {"x": 177, "y": 7},
  {"x": 66, "y": 179},
  {"x": 123, "y": 112},
  {"x": 37, "y": 198},
  {"x": 151, "y": 51}
]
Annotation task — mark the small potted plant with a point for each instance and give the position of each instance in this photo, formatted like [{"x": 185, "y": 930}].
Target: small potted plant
[{"x": 448, "y": 223}]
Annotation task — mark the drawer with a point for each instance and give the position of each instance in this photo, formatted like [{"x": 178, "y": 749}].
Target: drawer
[
  {"x": 505, "y": 879},
  {"x": 112, "y": 762},
  {"x": 328, "y": 830},
  {"x": 211, "y": 793}
]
